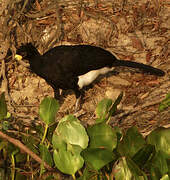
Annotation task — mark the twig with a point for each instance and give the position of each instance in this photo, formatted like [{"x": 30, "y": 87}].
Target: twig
[
  {"x": 25, "y": 149},
  {"x": 120, "y": 116},
  {"x": 60, "y": 29},
  {"x": 25, "y": 3},
  {"x": 42, "y": 13},
  {"x": 5, "y": 81}
]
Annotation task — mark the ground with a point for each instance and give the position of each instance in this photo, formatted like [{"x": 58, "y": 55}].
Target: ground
[{"x": 130, "y": 29}]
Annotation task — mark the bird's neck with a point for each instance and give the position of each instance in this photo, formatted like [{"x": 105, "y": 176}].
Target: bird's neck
[{"x": 32, "y": 52}]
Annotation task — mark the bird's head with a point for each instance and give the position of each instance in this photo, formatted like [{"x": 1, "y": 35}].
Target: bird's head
[{"x": 27, "y": 51}]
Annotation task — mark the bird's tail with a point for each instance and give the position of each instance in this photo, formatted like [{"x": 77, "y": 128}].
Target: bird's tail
[{"x": 143, "y": 67}]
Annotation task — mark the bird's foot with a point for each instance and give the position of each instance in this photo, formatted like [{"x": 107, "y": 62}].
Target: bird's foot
[{"x": 77, "y": 105}]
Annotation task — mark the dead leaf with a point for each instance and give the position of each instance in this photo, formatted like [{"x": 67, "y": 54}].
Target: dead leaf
[
  {"x": 136, "y": 43},
  {"x": 154, "y": 82},
  {"x": 148, "y": 56},
  {"x": 38, "y": 5}
]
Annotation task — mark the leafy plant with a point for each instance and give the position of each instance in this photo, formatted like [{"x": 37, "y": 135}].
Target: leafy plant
[
  {"x": 69, "y": 139},
  {"x": 97, "y": 152}
]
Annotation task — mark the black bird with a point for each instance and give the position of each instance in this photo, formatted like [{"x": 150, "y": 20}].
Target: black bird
[{"x": 73, "y": 67}]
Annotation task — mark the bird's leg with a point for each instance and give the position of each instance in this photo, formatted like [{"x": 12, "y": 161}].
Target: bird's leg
[
  {"x": 79, "y": 98},
  {"x": 57, "y": 94},
  {"x": 78, "y": 103}
]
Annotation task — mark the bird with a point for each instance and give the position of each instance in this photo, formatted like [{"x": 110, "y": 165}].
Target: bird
[{"x": 75, "y": 66}]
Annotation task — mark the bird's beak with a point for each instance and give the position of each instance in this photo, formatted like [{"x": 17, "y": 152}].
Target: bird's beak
[{"x": 18, "y": 57}]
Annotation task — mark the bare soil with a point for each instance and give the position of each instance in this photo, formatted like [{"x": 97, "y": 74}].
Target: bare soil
[{"x": 130, "y": 29}]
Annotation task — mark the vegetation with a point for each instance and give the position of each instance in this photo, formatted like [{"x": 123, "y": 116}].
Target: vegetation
[{"x": 97, "y": 152}]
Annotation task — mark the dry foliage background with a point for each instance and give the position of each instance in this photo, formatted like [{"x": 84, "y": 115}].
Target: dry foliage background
[{"x": 131, "y": 29}]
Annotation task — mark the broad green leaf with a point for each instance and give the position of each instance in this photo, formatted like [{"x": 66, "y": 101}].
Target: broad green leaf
[
  {"x": 131, "y": 143},
  {"x": 127, "y": 170},
  {"x": 165, "y": 103},
  {"x": 3, "y": 107},
  {"x": 74, "y": 149},
  {"x": 72, "y": 132},
  {"x": 58, "y": 142},
  {"x": 137, "y": 172},
  {"x": 102, "y": 110},
  {"x": 67, "y": 162},
  {"x": 159, "y": 165},
  {"x": 143, "y": 155},
  {"x": 48, "y": 109},
  {"x": 122, "y": 171},
  {"x": 97, "y": 157},
  {"x": 165, "y": 177},
  {"x": 160, "y": 137},
  {"x": 68, "y": 118},
  {"x": 102, "y": 136}
]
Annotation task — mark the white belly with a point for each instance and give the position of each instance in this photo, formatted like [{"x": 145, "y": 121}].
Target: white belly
[{"x": 89, "y": 77}]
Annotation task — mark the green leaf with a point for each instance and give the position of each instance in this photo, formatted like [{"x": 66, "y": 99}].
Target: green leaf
[
  {"x": 159, "y": 165},
  {"x": 58, "y": 142},
  {"x": 131, "y": 143},
  {"x": 68, "y": 118},
  {"x": 122, "y": 171},
  {"x": 68, "y": 140},
  {"x": 165, "y": 177},
  {"x": 165, "y": 103},
  {"x": 115, "y": 104},
  {"x": 118, "y": 132},
  {"x": 51, "y": 130},
  {"x": 3, "y": 107},
  {"x": 48, "y": 109},
  {"x": 160, "y": 138},
  {"x": 126, "y": 169},
  {"x": 31, "y": 143},
  {"x": 67, "y": 162},
  {"x": 143, "y": 155},
  {"x": 102, "y": 110},
  {"x": 102, "y": 136},
  {"x": 72, "y": 132},
  {"x": 45, "y": 156},
  {"x": 97, "y": 157}
]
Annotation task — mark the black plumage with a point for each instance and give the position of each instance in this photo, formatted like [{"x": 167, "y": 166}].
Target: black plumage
[{"x": 62, "y": 66}]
